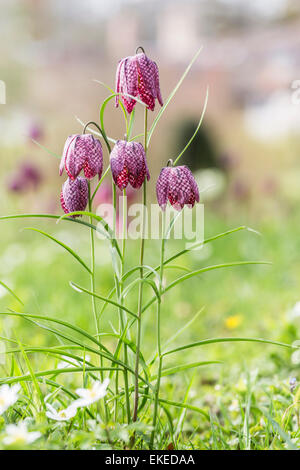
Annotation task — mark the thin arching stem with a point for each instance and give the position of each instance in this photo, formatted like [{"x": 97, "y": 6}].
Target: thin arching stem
[
  {"x": 102, "y": 132},
  {"x": 142, "y": 49}
]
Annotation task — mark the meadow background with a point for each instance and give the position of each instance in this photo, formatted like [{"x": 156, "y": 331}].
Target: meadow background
[{"x": 245, "y": 158}]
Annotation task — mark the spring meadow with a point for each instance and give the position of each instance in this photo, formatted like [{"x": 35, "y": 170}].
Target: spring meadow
[{"x": 149, "y": 285}]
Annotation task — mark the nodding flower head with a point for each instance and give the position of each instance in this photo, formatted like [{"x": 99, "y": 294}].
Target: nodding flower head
[
  {"x": 74, "y": 195},
  {"x": 177, "y": 185},
  {"x": 82, "y": 152},
  {"x": 138, "y": 76},
  {"x": 128, "y": 164}
]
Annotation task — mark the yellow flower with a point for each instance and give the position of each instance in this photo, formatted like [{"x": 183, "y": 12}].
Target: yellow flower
[{"x": 233, "y": 322}]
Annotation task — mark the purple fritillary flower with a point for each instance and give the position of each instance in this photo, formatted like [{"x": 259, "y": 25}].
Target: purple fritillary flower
[
  {"x": 138, "y": 76},
  {"x": 177, "y": 185},
  {"x": 128, "y": 164},
  {"x": 74, "y": 195},
  {"x": 82, "y": 152}
]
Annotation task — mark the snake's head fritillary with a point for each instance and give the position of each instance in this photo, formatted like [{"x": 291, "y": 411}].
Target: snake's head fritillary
[
  {"x": 82, "y": 152},
  {"x": 178, "y": 186},
  {"x": 74, "y": 195},
  {"x": 128, "y": 164},
  {"x": 138, "y": 76}
]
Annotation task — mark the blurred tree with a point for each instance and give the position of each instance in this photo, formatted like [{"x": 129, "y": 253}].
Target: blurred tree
[{"x": 202, "y": 152}]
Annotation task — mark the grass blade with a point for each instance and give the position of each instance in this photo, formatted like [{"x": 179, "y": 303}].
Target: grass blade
[
  {"x": 105, "y": 299},
  {"x": 197, "y": 128},
  {"x": 180, "y": 405},
  {"x": 101, "y": 221},
  {"x": 45, "y": 148},
  {"x": 169, "y": 99},
  {"x": 51, "y": 216},
  {"x": 63, "y": 245},
  {"x": 11, "y": 292},
  {"x": 211, "y": 268},
  {"x": 197, "y": 244},
  {"x": 200, "y": 271},
  {"x": 226, "y": 340},
  {"x": 32, "y": 375},
  {"x": 183, "y": 367}
]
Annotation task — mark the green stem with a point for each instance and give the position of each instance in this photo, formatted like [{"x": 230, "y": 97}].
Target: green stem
[
  {"x": 93, "y": 288},
  {"x": 140, "y": 297},
  {"x": 102, "y": 132},
  {"x": 159, "y": 353},
  {"x": 93, "y": 271},
  {"x": 118, "y": 286},
  {"x": 122, "y": 313}
]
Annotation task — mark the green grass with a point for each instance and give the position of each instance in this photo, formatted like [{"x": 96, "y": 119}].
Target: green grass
[{"x": 240, "y": 399}]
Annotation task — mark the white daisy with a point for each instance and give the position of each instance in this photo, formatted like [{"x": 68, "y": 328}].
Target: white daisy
[
  {"x": 17, "y": 434},
  {"x": 8, "y": 396},
  {"x": 91, "y": 395},
  {"x": 61, "y": 415}
]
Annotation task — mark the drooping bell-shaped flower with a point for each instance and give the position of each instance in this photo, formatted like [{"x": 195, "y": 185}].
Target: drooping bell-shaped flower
[
  {"x": 82, "y": 152},
  {"x": 178, "y": 186},
  {"x": 74, "y": 195},
  {"x": 128, "y": 164},
  {"x": 138, "y": 76}
]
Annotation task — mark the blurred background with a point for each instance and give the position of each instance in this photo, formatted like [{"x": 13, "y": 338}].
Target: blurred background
[
  {"x": 52, "y": 51},
  {"x": 246, "y": 156}
]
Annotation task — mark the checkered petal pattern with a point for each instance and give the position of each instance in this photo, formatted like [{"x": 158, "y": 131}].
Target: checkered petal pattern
[
  {"x": 74, "y": 195},
  {"x": 178, "y": 186},
  {"x": 82, "y": 152},
  {"x": 138, "y": 76},
  {"x": 128, "y": 164}
]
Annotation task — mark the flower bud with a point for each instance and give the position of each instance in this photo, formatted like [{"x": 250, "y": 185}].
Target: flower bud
[
  {"x": 82, "y": 152},
  {"x": 138, "y": 76},
  {"x": 128, "y": 164},
  {"x": 74, "y": 195},
  {"x": 177, "y": 185}
]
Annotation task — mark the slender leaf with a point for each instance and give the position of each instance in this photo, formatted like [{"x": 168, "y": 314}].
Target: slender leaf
[
  {"x": 197, "y": 244},
  {"x": 184, "y": 367},
  {"x": 197, "y": 129},
  {"x": 225, "y": 340},
  {"x": 200, "y": 271},
  {"x": 102, "y": 222},
  {"x": 98, "y": 296},
  {"x": 63, "y": 245},
  {"x": 45, "y": 148},
  {"x": 11, "y": 292},
  {"x": 32, "y": 375},
  {"x": 181, "y": 405},
  {"x": 169, "y": 99},
  {"x": 185, "y": 327},
  {"x": 211, "y": 268}
]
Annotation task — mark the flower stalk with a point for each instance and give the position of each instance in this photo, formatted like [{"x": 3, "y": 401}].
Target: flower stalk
[
  {"x": 159, "y": 353},
  {"x": 140, "y": 295}
]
